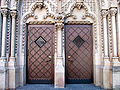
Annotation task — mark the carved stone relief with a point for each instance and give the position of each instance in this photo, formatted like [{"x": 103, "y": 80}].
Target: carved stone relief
[{"x": 66, "y": 4}]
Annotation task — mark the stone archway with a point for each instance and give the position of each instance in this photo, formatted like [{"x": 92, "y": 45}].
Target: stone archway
[{"x": 59, "y": 20}]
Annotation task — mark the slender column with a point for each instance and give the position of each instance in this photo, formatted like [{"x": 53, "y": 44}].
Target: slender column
[
  {"x": 114, "y": 33},
  {"x": 13, "y": 14},
  {"x": 118, "y": 27},
  {"x": 3, "y": 61},
  {"x": 4, "y": 32},
  {"x": 104, "y": 14},
  {"x": 59, "y": 67},
  {"x": 59, "y": 42},
  {"x": 106, "y": 69}
]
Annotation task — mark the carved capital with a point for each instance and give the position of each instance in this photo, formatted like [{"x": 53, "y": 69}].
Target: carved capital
[
  {"x": 113, "y": 11},
  {"x": 59, "y": 21},
  {"x": 4, "y": 12},
  {"x": 13, "y": 14},
  {"x": 104, "y": 13},
  {"x": 59, "y": 25}
]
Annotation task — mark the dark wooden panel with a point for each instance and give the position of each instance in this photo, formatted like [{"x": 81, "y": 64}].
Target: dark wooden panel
[
  {"x": 79, "y": 62},
  {"x": 40, "y": 54}
]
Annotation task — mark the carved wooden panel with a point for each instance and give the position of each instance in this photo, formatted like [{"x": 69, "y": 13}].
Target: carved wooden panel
[
  {"x": 40, "y": 54},
  {"x": 79, "y": 64}
]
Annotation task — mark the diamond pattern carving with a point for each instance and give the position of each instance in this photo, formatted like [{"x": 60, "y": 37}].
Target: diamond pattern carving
[
  {"x": 78, "y": 41},
  {"x": 40, "y": 41}
]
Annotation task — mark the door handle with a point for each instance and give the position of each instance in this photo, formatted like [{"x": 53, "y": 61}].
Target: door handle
[
  {"x": 50, "y": 57},
  {"x": 69, "y": 57}
]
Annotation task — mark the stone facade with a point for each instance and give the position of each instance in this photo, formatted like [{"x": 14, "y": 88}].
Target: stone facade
[{"x": 104, "y": 15}]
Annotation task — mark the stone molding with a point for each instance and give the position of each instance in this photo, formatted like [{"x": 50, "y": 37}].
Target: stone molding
[
  {"x": 78, "y": 22},
  {"x": 41, "y": 22}
]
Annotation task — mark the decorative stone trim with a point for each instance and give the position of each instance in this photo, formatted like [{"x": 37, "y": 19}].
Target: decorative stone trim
[
  {"x": 78, "y": 22},
  {"x": 38, "y": 4},
  {"x": 87, "y": 14},
  {"x": 41, "y": 22}
]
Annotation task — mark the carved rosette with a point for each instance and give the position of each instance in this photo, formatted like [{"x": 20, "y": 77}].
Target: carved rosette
[
  {"x": 13, "y": 14},
  {"x": 104, "y": 13},
  {"x": 4, "y": 12},
  {"x": 113, "y": 11}
]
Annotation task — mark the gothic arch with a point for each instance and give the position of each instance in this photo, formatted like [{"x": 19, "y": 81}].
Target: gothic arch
[
  {"x": 95, "y": 31},
  {"x": 29, "y": 14}
]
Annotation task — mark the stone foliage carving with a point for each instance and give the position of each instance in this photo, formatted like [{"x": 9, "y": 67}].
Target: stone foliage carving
[
  {"x": 66, "y": 4},
  {"x": 59, "y": 23}
]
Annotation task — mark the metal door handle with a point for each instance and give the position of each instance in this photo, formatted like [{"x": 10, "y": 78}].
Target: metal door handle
[
  {"x": 69, "y": 57},
  {"x": 50, "y": 57}
]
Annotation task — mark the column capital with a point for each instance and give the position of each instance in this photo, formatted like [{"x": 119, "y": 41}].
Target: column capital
[
  {"x": 113, "y": 11},
  {"x": 104, "y": 13},
  {"x": 13, "y": 14},
  {"x": 4, "y": 12},
  {"x": 59, "y": 23}
]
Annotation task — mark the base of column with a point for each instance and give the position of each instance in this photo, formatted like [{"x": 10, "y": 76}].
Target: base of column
[
  {"x": 59, "y": 74},
  {"x": 3, "y": 74},
  {"x": 116, "y": 73},
  {"x": 116, "y": 78},
  {"x": 59, "y": 77},
  {"x": 107, "y": 73},
  {"x": 12, "y": 73}
]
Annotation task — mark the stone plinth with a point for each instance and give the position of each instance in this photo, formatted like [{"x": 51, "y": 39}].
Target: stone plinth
[{"x": 3, "y": 74}]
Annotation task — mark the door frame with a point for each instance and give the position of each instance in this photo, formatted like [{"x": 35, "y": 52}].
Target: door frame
[
  {"x": 53, "y": 50},
  {"x": 70, "y": 23}
]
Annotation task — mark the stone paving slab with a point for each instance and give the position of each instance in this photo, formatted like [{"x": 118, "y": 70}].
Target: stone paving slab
[{"x": 51, "y": 87}]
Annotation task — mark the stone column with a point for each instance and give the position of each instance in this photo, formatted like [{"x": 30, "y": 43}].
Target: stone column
[
  {"x": 12, "y": 61},
  {"x": 59, "y": 67},
  {"x": 114, "y": 36},
  {"x": 104, "y": 14},
  {"x": 116, "y": 63},
  {"x": 3, "y": 61},
  {"x": 12, "y": 57},
  {"x": 106, "y": 62}
]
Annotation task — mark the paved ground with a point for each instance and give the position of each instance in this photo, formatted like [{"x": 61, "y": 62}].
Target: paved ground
[{"x": 68, "y": 87}]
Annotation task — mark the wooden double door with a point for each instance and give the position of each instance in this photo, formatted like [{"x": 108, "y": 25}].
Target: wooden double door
[{"x": 40, "y": 54}]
